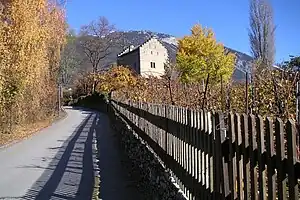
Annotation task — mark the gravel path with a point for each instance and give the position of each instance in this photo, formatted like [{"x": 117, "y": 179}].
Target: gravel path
[{"x": 59, "y": 162}]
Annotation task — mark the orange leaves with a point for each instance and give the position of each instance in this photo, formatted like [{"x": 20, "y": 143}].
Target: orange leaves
[
  {"x": 163, "y": 91},
  {"x": 116, "y": 78},
  {"x": 31, "y": 35}
]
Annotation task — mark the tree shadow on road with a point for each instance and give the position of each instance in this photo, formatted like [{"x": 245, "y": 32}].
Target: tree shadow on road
[
  {"x": 70, "y": 175},
  {"x": 116, "y": 181}
]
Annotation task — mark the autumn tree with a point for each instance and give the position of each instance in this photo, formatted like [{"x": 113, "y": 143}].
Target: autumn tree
[
  {"x": 116, "y": 78},
  {"x": 200, "y": 55},
  {"x": 31, "y": 35}
]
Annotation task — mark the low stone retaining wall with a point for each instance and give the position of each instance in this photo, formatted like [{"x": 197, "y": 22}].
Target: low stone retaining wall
[{"x": 154, "y": 177}]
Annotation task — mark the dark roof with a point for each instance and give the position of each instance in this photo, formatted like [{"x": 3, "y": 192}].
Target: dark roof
[
  {"x": 122, "y": 54},
  {"x": 135, "y": 48}
]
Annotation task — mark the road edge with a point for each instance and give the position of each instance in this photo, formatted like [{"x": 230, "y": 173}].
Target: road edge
[
  {"x": 55, "y": 120},
  {"x": 96, "y": 188}
]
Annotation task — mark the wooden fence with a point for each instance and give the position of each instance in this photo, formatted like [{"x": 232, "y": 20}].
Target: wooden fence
[{"x": 219, "y": 156}]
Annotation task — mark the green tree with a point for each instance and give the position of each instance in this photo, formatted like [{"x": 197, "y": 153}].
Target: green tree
[
  {"x": 293, "y": 64},
  {"x": 201, "y": 56}
]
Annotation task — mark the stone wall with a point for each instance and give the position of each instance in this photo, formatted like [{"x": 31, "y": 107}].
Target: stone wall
[{"x": 154, "y": 177}]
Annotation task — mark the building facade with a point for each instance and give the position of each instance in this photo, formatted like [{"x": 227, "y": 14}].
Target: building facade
[{"x": 147, "y": 59}]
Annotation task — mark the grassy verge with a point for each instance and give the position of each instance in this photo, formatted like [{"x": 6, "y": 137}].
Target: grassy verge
[
  {"x": 23, "y": 132},
  {"x": 96, "y": 188}
]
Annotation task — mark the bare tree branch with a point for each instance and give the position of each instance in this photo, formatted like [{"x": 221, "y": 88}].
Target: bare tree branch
[
  {"x": 262, "y": 31},
  {"x": 97, "y": 40}
]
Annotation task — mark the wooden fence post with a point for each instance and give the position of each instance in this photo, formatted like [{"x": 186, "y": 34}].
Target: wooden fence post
[
  {"x": 252, "y": 149},
  {"x": 292, "y": 159},
  {"x": 238, "y": 142},
  {"x": 280, "y": 156},
  {"x": 210, "y": 153},
  {"x": 167, "y": 116},
  {"x": 202, "y": 168},
  {"x": 270, "y": 153},
  {"x": 196, "y": 140},
  {"x": 261, "y": 149},
  {"x": 232, "y": 157},
  {"x": 218, "y": 125},
  {"x": 193, "y": 145},
  {"x": 246, "y": 161}
]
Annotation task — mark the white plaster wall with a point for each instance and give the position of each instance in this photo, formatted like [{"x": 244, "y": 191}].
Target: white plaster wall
[{"x": 159, "y": 56}]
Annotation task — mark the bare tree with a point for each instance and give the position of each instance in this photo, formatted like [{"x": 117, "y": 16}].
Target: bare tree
[
  {"x": 262, "y": 42},
  {"x": 97, "y": 40},
  {"x": 171, "y": 75},
  {"x": 262, "y": 31}
]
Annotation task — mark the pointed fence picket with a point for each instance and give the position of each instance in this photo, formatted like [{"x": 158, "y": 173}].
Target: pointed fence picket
[{"x": 213, "y": 155}]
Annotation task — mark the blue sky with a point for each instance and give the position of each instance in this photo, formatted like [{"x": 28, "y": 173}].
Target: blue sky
[{"x": 228, "y": 18}]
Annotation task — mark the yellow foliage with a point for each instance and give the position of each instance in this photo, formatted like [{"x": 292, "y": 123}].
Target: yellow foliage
[
  {"x": 115, "y": 79},
  {"x": 200, "y": 54},
  {"x": 32, "y": 33}
]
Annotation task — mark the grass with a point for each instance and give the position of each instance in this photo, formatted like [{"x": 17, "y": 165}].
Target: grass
[
  {"x": 23, "y": 132},
  {"x": 96, "y": 189}
]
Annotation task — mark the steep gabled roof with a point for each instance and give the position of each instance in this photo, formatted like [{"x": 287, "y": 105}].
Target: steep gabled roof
[{"x": 125, "y": 52}]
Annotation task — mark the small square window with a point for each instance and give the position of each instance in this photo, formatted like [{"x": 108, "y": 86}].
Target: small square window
[{"x": 152, "y": 64}]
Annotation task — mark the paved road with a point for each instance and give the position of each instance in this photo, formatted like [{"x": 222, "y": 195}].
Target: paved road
[{"x": 59, "y": 162}]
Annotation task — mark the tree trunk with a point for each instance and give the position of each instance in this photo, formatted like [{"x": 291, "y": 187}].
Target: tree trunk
[
  {"x": 170, "y": 91},
  {"x": 205, "y": 91}
]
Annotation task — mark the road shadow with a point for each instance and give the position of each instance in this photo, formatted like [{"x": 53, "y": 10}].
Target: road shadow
[
  {"x": 70, "y": 174},
  {"x": 116, "y": 180},
  {"x": 101, "y": 107}
]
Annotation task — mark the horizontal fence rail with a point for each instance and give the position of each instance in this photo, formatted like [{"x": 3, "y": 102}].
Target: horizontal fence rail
[{"x": 219, "y": 156}]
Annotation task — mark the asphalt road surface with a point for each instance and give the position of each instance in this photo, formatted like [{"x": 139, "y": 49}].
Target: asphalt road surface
[{"x": 60, "y": 162}]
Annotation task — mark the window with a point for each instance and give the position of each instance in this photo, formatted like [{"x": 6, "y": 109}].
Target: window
[
  {"x": 152, "y": 64},
  {"x": 151, "y": 52},
  {"x": 157, "y": 53}
]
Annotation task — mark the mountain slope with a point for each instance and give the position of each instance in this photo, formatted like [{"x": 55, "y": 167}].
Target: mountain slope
[{"x": 136, "y": 38}]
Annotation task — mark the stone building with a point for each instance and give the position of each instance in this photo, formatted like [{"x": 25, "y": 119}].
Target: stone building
[{"x": 146, "y": 59}]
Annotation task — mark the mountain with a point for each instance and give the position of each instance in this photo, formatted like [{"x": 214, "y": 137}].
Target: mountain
[{"x": 136, "y": 38}]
